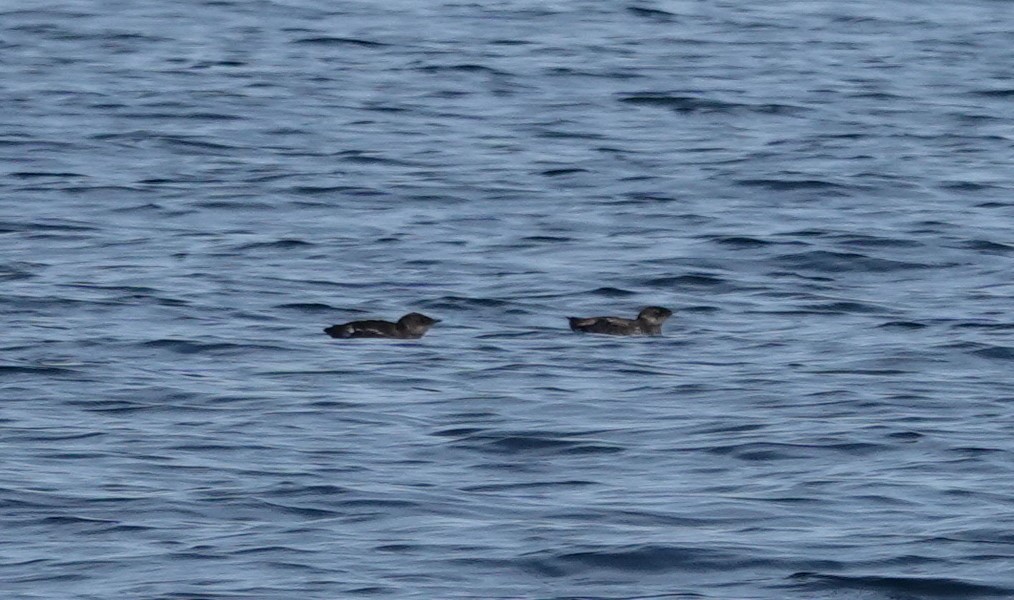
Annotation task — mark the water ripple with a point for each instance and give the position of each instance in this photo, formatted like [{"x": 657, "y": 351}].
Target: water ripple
[{"x": 820, "y": 192}]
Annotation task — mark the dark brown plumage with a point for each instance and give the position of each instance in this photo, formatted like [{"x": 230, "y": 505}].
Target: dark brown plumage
[
  {"x": 410, "y": 327},
  {"x": 648, "y": 322}
]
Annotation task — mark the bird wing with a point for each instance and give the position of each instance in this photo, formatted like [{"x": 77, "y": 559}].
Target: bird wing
[
  {"x": 362, "y": 329},
  {"x": 608, "y": 325}
]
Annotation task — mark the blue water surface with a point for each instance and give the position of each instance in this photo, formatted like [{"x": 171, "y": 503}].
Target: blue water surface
[{"x": 822, "y": 191}]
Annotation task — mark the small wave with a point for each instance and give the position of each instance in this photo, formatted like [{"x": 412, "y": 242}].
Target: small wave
[
  {"x": 458, "y": 431},
  {"x": 844, "y": 307},
  {"x": 316, "y": 491},
  {"x": 114, "y": 406},
  {"x": 193, "y": 116},
  {"x": 312, "y": 190},
  {"x": 570, "y": 135},
  {"x": 284, "y": 244},
  {"x": 40, "y": 370},
  {"x": 611, "y": 292},
  {"x": 120, "y": 528},
  {"x": 39, "y": 145},
  {"x": 641, "y": 197},
  {"x": 869, "y": 241},
  {"x": 379, "y": 502},
  {"x": 739, "y": 241},
  {"x": 44, "y": 174},
  {"x": 754, "y": 451},
  {"x": 976, "y": 451},
  {"x": 967, "y": 186},
  {"x": 503, "y": 487},
  {"x": 805, "y": 233},
  {"x": 545, "y": 239},
  {"x": 301, "y": 511},
  {"x": 339, "y": 41},
  {"x": 191, "y": 347},
  {"x": 383, "y": 108},
  {"x": 463, "y": 67},
  {"x": 760, "y": 451},
  {"x": 903, "y": 325},
  {"x": 307, "y": 307},
  {"x": 906, "y": 436},
  {"x": 57, "y": 227},
  {"x": 999, "y": 93},
  {"x": 679, "y": 103},
  {"x": 651, "y": 13},
  {"x": 648, "y": 558},
  {"x": 11, "y": 272},
  {"x": 457, "y": 302},
  {"x": 995, "y": 352},
  {"x": 695, "y": 279},
  {"x": 696, "y": 104},
  {"x": 74, "y": 520},
  {"x": 787, "y": 185},
  {"x": 989, "y": 247},
  {"x": 857, "y": 371},
  {"x": 357, "y": 156},
  {"x": 566, "y": 171},
  {"x": 208, "y": 64},
  {"x": 923, "y": 587},
  {"x": 836, "y": 262},
  {"x": 524, "y": 442}
]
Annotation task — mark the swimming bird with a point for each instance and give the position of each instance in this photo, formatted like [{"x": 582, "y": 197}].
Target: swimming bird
[
  {"x": 410, "y": 327},
  {"x": 648, "y": 322}
]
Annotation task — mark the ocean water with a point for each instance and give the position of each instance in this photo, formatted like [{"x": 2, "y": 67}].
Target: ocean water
[{"x": 190, "y": 191}]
